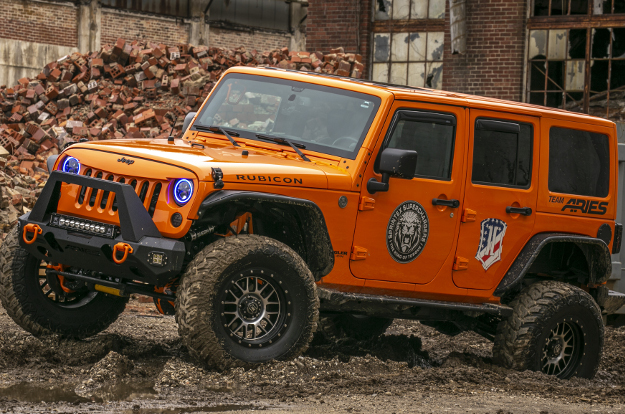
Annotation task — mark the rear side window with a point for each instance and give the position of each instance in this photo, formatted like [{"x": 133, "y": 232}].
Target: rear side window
[
  {"x": 502, "y": 153},
  {"x": 579, "y": 162},
  {"x": 432, "y": 136}
]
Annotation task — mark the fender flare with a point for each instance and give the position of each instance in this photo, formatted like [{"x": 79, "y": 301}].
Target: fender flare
[
  {"x": 317, "y": 239},
  {"x": 595, "y": 250}
]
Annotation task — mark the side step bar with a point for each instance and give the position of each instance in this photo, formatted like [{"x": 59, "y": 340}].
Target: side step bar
[{"x": 405, "y": 308}]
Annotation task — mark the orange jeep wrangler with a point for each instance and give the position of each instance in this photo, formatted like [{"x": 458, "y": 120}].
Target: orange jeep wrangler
[{"x": 294, "y": 193}]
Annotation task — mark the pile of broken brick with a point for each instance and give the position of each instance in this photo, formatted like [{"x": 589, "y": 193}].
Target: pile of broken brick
[{"x": 137, "y": 89}]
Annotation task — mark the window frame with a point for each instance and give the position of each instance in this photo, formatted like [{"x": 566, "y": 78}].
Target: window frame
[
  {"x": 531, "y": 163},
  {"x": 424, "y": 113}
]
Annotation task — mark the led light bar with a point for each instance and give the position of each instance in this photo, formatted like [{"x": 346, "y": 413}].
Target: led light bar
[{"x": 84, "y": 226}]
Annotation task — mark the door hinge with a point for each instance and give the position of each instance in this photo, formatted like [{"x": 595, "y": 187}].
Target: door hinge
[
  {"x": 460, "y": 263},
  {"x": 366, "y": 203},
  {"x": 359, "y": 253},
  {"x": 468, "y": 215}
]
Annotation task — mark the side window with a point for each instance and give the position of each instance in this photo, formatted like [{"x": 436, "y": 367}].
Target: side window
[
  {"x": 579, "y": 162},
  {"x": 432, "y": 135},
  {"x": 502, "y": 153}
]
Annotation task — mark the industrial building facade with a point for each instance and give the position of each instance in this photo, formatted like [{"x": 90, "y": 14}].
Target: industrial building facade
[{"x": 561, "y": 53}]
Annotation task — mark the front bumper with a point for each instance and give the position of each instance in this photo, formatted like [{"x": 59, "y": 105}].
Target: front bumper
[{"x": 93, "y": 252}]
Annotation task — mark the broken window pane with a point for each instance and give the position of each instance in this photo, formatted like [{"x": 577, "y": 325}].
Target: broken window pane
[
  {"x": 618, "y": 43},
  {"x": 383, "y": 9},
  {"x": 577, "y": 43},
  {"x": 437, "y": 9},
  {"x": 381, "y": 47},
  {"x": 398, "y": 73},
  {"x": 575, "y": 70},
  {"x": 380, "y": 72},
  {"x": 619, "y": 6},
  {"x": 558, "y": 7},
  {"x": 554, "y": 99},
  {"x": 579, "y": 6},
  {"x": 416, "y": 74},
  {"x": 617, "y": 80},
  {"x": 399, "y": 48},
  {"x": 419, "y": 9},
  {"x": 416, "y": 50},
  {"x": 435, "y": 45},
  {"x": 434, "y": 77},
  {"x": 599, "y": 75},
  {"x": 601, "y": 43},
  {"x": 557, "y": 44},
  {"x": 401, "y": 9},
  {"x": 537, "y": 98},
  {"x": 600, "y": 5},
  {"x": 541, "y": 7},
  {"x": 538, "y": 44},
  {"x": 556, "y": 75},
  {"x": 537, "y": 76}
]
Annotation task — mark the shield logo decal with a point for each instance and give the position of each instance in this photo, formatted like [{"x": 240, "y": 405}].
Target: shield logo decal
[{"x": 491, "y": 242}]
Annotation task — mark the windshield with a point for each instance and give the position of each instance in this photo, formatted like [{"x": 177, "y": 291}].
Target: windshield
[{"x": 329, "y": 120}]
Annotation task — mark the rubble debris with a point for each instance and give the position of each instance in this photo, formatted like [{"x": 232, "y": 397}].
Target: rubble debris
[{"x": 137, "y": 89}]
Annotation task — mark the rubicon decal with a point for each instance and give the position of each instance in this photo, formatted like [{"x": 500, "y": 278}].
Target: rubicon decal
[
  {"x": 491, "y": 242},
  {"x": 407, "y": 232},
  {"x": 586, "y": 206},
  {"x": 269, "y": 179}
]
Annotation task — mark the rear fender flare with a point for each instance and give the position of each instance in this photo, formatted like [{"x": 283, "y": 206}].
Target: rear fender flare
[
  {"x": 595, "y": 250},
  {"x": 316, "y": 236}
]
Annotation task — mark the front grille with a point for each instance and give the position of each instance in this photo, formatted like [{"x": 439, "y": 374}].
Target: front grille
[{"x": 89, "y": 198}]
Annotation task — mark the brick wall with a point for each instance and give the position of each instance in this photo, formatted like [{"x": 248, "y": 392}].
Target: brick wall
[
  {"x": 138, "y": 26},
  {"x": 261, "y": 41},
  {"x": 54, "y": 24},
  {"x": 493, "y": 63},
  {"x": 334, "y": 23}
]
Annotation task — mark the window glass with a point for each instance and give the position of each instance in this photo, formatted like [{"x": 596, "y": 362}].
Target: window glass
[
  {"x": 579, "y": 162},
  {"x": 503, "y": 158},
  {"x": 433, "y": 141}
]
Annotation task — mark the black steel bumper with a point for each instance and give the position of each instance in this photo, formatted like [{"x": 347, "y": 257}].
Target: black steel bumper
[{"x": 93, "y": 252}]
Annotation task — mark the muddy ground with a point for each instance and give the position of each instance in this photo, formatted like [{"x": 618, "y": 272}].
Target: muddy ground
[{"x": 139, "y": 366}]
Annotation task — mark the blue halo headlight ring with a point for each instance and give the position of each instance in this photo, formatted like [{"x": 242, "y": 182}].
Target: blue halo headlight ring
[
  {"x": 183, "y": 190},
  {"x": 71, "y": 165}
]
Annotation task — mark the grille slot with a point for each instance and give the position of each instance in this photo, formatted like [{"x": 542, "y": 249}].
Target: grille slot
[{"x": 89, "y": 198}]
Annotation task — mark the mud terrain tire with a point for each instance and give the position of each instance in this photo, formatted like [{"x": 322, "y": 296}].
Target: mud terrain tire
[
  {"x": 359, "y": 327},
  {"x": 23, "y": 299},
  {"x": 234, "y": 287},
  {"x": 550, "y": 317}
]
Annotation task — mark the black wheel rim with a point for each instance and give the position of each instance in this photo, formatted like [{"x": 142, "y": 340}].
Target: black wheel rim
[
  {"x": 562, "y": 349},
  {"x": 51, "y": 290},
  {"x": 254, "y": 307}
]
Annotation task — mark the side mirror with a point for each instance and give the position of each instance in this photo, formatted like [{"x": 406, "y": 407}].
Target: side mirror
[
  {"x": 394, "y": 162},
  {"x": 187, "y": 121}
]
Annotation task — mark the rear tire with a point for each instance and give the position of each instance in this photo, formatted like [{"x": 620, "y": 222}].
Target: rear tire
[
  {"x": 359, "y": 327},
  {"x": 245, "y": 300},
  {"x": 82, "y": 314},
  {"x": 555, "y": 328}
]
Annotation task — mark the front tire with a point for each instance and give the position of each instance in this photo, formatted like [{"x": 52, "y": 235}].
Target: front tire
[
  {"x": 555, "y": 328},
  {"x": 35, "y": 302},
  {"x": 246, "y": 299}
]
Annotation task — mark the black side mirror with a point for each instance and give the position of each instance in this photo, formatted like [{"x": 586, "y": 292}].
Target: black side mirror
[
  {"x": 394, "y": 162},
  {"x": 187, "y": 121}
]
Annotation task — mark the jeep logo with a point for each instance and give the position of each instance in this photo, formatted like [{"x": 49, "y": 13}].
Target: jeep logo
[{"x": 126, "y": 160}]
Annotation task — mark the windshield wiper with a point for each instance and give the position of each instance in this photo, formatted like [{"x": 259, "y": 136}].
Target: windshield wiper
[
  {"x": 217, "y": 129},
  {"x": 284, "y": 141}
]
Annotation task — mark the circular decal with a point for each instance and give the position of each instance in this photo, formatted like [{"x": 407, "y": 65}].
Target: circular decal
[{"x": 407, "y": 232}]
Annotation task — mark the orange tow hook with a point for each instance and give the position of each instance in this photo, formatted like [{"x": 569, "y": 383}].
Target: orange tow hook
[
  {"x": 121, "y": 247},
  {"x": 31, "y": 228}
]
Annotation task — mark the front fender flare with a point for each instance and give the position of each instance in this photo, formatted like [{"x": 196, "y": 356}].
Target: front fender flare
[{"x": 595, "y": 250}]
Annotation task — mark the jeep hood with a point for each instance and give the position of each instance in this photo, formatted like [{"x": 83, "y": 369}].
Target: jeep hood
[{"x": 260, "y": 166}]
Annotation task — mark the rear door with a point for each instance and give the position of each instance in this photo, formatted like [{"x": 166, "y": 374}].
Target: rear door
[{"x": 499, "y": 197}]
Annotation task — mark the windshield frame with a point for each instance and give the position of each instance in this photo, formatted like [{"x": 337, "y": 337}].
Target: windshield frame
[{"x": 310, "y": 146}]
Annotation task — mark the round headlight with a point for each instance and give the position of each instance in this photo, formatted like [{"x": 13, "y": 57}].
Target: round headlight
[
  {"x": 71, "y": 165},
  {"x": 183, "y": 189}
]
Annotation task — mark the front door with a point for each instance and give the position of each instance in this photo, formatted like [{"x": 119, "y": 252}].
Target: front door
[
  {"x": 499, "y": 199},
  {"x": 410, "y": 231}
]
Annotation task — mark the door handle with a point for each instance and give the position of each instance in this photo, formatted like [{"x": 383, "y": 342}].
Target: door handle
[
  {"x": 449, "y": 203},
  {"x": 526, "y": 211}
]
